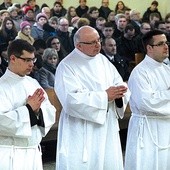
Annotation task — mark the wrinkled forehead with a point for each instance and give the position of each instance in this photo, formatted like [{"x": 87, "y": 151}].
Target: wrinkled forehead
[{"x": 89, "y": 35}]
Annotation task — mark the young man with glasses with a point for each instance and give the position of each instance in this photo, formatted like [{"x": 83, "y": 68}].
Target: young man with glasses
[
  {"x": 148, "y": 144},
  {"x": 92, "y": 94},
  {"x": 26, "y": 114}
]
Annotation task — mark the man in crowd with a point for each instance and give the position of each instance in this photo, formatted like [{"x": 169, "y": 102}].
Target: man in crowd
[{"x": 109, "y": 49}]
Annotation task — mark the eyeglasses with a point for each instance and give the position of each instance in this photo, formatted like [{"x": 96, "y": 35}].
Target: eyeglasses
[
  {"x": 92, "y": 42},
  {"x": 28, "y": 60},
  {"x": 160, "y": 44}
]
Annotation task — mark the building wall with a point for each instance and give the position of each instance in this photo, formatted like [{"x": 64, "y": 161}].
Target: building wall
[{"x": 141, "y": 5}]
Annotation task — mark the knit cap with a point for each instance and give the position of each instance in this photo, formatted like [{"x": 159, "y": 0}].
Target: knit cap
[
  {"x": 3, "y": 11},
  {"x": 11, "y": 8},
  {"x": 41, "y": 15},
  {"x": 24, "y": 24},
  {"x": 26, "y": 9}
]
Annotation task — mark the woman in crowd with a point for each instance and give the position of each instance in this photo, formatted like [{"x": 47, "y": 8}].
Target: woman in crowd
[
  {"x": 54, "y": 42},
  {"x": 120, "y": 7},
  {"x": 71, "y": 13},
  {"x": 14, "y": 14},
  {"x": 46, "y": 74},
  {"x": 25, "y": 32},
  {"x": 8, "y": 31}
]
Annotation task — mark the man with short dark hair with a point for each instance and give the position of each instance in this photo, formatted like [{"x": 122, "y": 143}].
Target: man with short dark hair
[
  {"x": 126, "y": 45},
  {"x": 104, "y": 9},
  {"x": 26, "y": 114},
  {"x": 109, "y": 49},
  {"x": 152, "y": 9},
  {"x": 148, "y": 144},
  {"x": 82, "y": 9}
]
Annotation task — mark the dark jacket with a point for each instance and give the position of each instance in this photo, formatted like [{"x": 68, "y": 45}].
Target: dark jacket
[
  {"x": 48, "y": 31},
  {"x": 3, "y": 66},
  {"x": 136, "y": 26},
  {"x": 104, "y": 12},
  {"x": 60, "y": 14},
  {"x": 4, "y": 41},
  {"x": 126, "y": 48},
  {"x": 2, "y": 6},
  {"x": 46, "y": 75},
  {"x": 80, "y": 12},
  {"x": 147, "y": 13},
  {"x": 121, "y": 65},
  {"x": 65, "y": 40}
]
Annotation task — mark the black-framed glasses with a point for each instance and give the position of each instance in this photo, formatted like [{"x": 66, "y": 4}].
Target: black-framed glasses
[
  {"x": 92, "y": 42},
  {"x": 160, "y": 44},
  {"x": 28, "y": 60}
]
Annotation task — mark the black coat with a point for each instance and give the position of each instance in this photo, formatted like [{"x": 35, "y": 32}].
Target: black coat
[
  {"x": 2, "y": 6},
  {"x": 65, "y": 40},
  {"x": 104, "y": 12},
  {"x": 121, "y": 65},
  {"x": 48, "y": 31},
  {"x": 126, "y": 48},
  {"x": 80, "y": 12},
  {"x": 147, "y": 13}
]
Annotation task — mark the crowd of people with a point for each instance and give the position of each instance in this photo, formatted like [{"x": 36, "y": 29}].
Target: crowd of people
[
  {"x": 86, "y": 54},
  {"x": 126, "y": 26}
]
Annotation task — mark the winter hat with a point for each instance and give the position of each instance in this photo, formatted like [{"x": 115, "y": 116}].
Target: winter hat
[
  {"x": 3, "y": 11},
  {"x": 24, "y": 24},
  {"x": 11, "y": 8},
  {"x": 41, "y": 15},
  {"x": 26, "y": 9}
]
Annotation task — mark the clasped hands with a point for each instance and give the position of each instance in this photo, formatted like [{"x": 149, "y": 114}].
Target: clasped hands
[
  {"x": 36, "y": 99},
  {"x": 116, "y": 92}
]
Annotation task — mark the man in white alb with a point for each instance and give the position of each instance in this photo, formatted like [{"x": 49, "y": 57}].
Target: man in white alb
[{"x": 93, "y": 97}]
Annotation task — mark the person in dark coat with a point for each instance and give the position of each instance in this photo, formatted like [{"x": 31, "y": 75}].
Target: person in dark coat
[
  {"x": 82, "y": 8},
  {"x": 126, "y": 45},
  {"x": 152, "y": 9},
  {"x": 46, "y": 74},
  {"x": 109, "y": 49},
  {"x": 104, "y": 9},
  {"x": 58, "y": 10},
  {"x": 54, "y": 42},
  {"x": 6, "y": 4},
  {"x": 8, "y": 32},
  {"x": 144, "y": 28},
  {"x": 64, "y": 34},
  {"x": 50, "y": 28},
  {"x": 135, "y": 20}
]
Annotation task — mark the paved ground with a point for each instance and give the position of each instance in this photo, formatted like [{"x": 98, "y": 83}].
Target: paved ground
[
  {"x": 49, "y": 166},
  {"x": 49, "y": 151}
]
